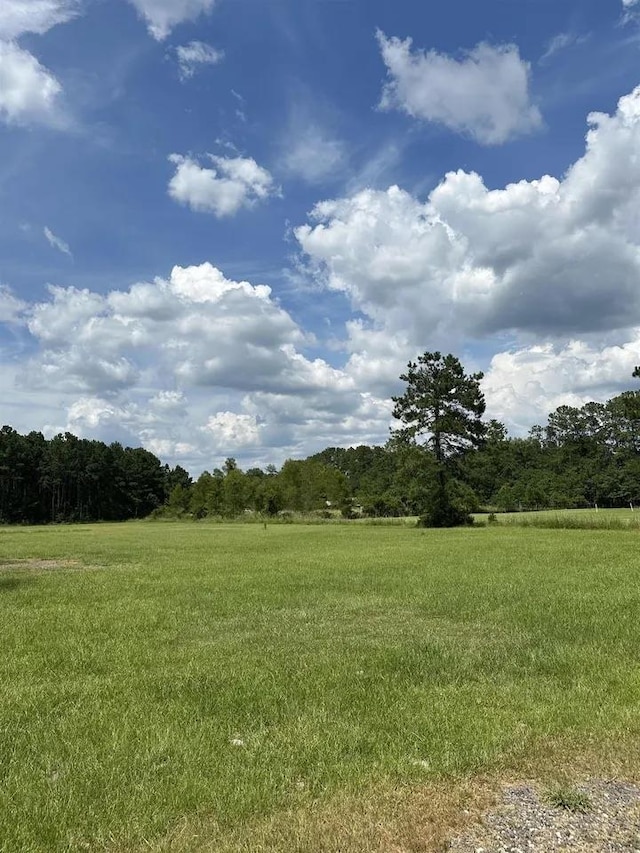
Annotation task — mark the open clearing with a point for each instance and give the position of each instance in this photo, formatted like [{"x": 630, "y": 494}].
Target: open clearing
[{"x": 304, "y": 688}]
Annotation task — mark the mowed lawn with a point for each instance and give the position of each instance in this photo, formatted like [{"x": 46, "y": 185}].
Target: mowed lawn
[{"x": 177, "y": 686}]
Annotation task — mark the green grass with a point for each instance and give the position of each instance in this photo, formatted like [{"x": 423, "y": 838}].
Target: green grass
[
  {"x": 570, "y": 799},
  {"x": 174, "y": 675}
]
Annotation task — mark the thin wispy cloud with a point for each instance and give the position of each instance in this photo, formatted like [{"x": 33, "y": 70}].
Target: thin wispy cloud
[
  {"x": 241, "y": 109},
  {"x": 56, "y": 243},
  {"x": 195, "y": 56},
  {"x": 561, "y": 42},
  {"x": 18, "y": 17},
  {"x": 312, "y": 153}
]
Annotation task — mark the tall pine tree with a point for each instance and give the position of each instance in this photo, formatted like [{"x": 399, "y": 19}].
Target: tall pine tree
[{"x": 443, "y": 407}]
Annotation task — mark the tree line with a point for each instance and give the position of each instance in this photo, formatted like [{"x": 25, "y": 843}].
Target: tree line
[
  {"x": 71, "y": 479},
  {"x": 442, "y": 463},
  {"x": 582, "y": 457}
]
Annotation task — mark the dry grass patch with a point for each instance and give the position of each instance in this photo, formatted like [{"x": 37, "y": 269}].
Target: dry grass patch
[
  {"x": 402, "y": 819},
  {"x": 459, "y": 814},
  {"x": 36, "y": 566}
]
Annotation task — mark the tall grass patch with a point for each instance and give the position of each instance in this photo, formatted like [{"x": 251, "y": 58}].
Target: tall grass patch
[{"x": 584, "y": 519}]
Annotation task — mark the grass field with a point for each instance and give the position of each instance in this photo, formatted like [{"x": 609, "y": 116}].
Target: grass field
[{"x": 320, "y": 688}]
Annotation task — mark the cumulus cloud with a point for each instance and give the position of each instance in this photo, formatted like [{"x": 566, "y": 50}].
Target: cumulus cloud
[
  {"x": 522, "y": 386},
  {"x": 194, "y": 56},
  {"x": 34, "y": 16},
  {"x": 233, "y": 430},
  {"x": 163, "y": 15},
  {"x": 484, "y": 94},
  {"x": 28, "y": 92},
  {"x": 555, "y": 257},
  {"x": 548, "y": 256},
  {"x": 191, "y": 366},
  {"x": 328, "y": 417},
  {"x": 233, "y": 183},
  {"x": 11, "y": 307},
  {"x": 81, "y": 344},
  {"x": 195, "y": 365},
  {"x": 57, "y": 243}
]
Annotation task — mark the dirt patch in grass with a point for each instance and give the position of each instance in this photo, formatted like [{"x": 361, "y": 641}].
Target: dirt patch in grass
[
  {"x": 595, "y": 816},
  {"x": 33, "y": 565},
  {"x": 574, "y": 798}
]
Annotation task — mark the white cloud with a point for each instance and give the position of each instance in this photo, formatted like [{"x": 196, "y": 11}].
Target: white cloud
[
  {"x": 163, "y": 15},
  {"x": 11, "y": 308},
  {"x": 241, "y": 108},
  {"x": 189, "y": 366},
  {"x": 329, "y": 417},
  {"x": 28, "y": 92},
  {"x": 561, "y": 42},
  {"x": 34, "y": 16},
  {"x": 550, "y": 256},
  {"x": 485, "y": 94},
  {"x": 169, "y": 401},
  {"x": 194, "y": 56},
  {"x": 196, "y": 364},
  {"x": 57, "y": 243},
  {"x": 70, "y": 371},
  {"x": 312, "y": 154},
  {"x": 97, "y": 415},
  {"x": 523, "y": 386},
  {"x": 375, "y": 172},
  {"x": 66, "y": 315},
  {"x": 233, "y": 183},
  {"x": 233, "y": 430},
  {"x": 84, "y": 347}
]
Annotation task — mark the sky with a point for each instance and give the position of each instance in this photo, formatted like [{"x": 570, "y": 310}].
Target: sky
[{"x": 227, "y": 225}]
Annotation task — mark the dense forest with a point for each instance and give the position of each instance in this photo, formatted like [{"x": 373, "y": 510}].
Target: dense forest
[
  {"x": 581, "y": 457},
  {"x": 72, "y": 479}
]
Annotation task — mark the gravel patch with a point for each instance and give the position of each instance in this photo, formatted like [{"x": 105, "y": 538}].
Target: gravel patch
[{"x": 524, "y": 821}]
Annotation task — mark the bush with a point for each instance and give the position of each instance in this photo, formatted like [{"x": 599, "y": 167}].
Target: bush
[
  {"x": 447, "y": 517},
  {"x": 449, "y": 506},
  {"x": 286, "y": 516},
  {"x": 445, "y": 514}
]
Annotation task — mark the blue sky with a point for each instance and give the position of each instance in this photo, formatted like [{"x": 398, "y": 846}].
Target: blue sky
[{"x": 226, "y": 225}]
